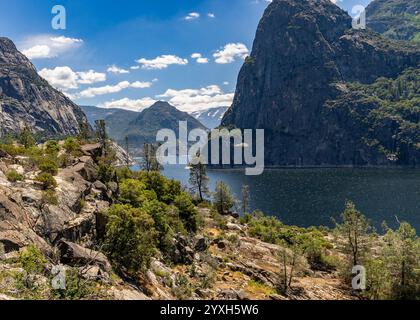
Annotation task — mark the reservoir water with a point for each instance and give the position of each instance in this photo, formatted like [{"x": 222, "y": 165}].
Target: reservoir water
[{"x": 311, "y": 197}]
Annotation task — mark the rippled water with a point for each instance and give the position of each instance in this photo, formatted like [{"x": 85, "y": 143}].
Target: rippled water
[{"x": 307, "y": 197}]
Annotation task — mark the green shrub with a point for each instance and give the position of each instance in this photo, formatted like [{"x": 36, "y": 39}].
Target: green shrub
[
  {"x": 48, "y": 165},
  {"x": 26, "y": 138},
  {"x": 52, "y": 147},
  {"x": 64, "y": 160},
  {"x": 72, "y": 146},
  {"x": 134, "y": 192},
  {"x": 187, "y": 211},
  {"x": 33, "y": 263},
  {"x": 14, "y": 176},
  {"x": 47, "y": 181},
  {"x": 77, "y": 288},
  {"x": 50, "y": 197},
  {"x": 130, "y": 239}
]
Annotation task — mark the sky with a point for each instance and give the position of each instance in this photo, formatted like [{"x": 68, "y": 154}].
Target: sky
[{"x": 130, "y": 53}]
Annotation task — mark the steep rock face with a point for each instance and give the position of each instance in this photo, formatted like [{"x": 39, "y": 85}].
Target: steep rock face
[
  {"x": 303, "y": 53},
  {"x": 396, "y": 19},
  {"x": 27, "y": 100}
]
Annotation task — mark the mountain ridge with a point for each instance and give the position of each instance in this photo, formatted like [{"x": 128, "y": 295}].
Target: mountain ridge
[
  {"x": 28, "y": 101},
  {"x": 303, "y": 55}
]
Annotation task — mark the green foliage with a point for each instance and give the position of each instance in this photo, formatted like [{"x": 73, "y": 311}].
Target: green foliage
[
  {"x": 12, "y": 149},
  {"x": 130, "y": 239},
  {"x": 354, "y": 229},
  {"x": 402, "y": 255},
  {"x": 77, "y": 288},
  {"x": 33, "y": 263},
  {"x": 50, "y": 197},
  {"x": 47, "y": 181},
  {"x": 48, "y": 165},
  {"x": 387, "y": 114},
  {"x": 187, "y": 211},
  {"x": 32, "y": 260},
  {"x": 72, "y": 146},
  {"x": 135, "y": 193},
  {"x": 223, "y": 199},
  {"x": 14, "y": 176},
  {"x": 52, "y": 147},
  {"x": 26, "y": 138},
  {"x": 125, "y": 173},
  {"x": 198, "y": 177}
]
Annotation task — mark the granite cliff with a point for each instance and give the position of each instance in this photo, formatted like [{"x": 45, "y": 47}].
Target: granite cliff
[
  {"x": 304, "y": 57},
  {"x": 28, "y": 101}
]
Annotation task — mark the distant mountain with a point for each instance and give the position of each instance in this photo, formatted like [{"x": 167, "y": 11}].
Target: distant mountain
[
  {"x": 27, "y": 100},
  {"x": 142, "y": 127},
  {"x": 211, "y": 118},
  {"x": 326, "y": 94},
  {"x": 395, "y": 19},
  {"x": 95, "y": 113}
]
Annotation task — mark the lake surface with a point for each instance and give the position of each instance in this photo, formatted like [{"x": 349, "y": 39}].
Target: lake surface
[{"x": 311, "y": 197}]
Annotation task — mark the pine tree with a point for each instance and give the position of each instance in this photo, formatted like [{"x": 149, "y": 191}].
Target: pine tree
[
  {"x": 223, "y": 199},
  {"x": 198, "y": 177},
  {"x": 245, "y": 198}
]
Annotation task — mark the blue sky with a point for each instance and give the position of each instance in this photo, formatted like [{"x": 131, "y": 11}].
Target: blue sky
[{"x": 129, "y": 53}]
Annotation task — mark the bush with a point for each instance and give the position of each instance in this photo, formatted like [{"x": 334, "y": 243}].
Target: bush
[
  {"x": 134, "y": 192},
  {"x": 64, "y": 160},
  {"x": 187, "y": 212},
  {"x": 130, "y": 239},
  {"x": 33, "y": 263},
  {"x": 72, "y": 146},
  {"x": 47, "y": 181},
  {"x": 52, "y": 147},
  {"x": 48, "y": 165},
  {"x": 49, "y": 196},
  {"x": 14, "y": 176},
  {"x": 77, "y": 288},
  {"x": 26, "y": 138}
]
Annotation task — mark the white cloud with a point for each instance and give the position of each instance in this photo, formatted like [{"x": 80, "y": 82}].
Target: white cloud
[
  {"x": 98, "y": 91},
  {"x": 230, "y": 52},
  {"x": 64, "y": 78},
  {"x": 199, "y": 58},
  {"x": 46, "y": 46},
  {"x": 211, "y": 15},
  {"x": 161, "y": 62},
  {"x": 90, "y": 77},
  {"x": 37, "y": 52},
  {"x": 135, "y": 67},
  {"x": 226, "y": 83},
  {"x": 129, "y": 104},
  {"x": 192, "y": 16},
  {"x": 190, "y": 100},
  {"x": 116, "y": 70}
]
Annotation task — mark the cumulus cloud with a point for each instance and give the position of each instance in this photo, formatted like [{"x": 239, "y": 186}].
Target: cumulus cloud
[
  {"x": 129, "y": 104},
  {"x": 116, "y": 70},
  {"x": 90, "y": 77},
  {"x": 199, "y": 58},
  {"x": 98, "y": 91},
  {"x": 190, "y": 100},
  {"x": 64, "y": 78},
  {"x": 211, "y": 15},
  {"x": 230, "y": 52},
  {"x": 192, "y": 16},
  {"x": 161, "y": 62},
  {"x": 46, "y": 46}
]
